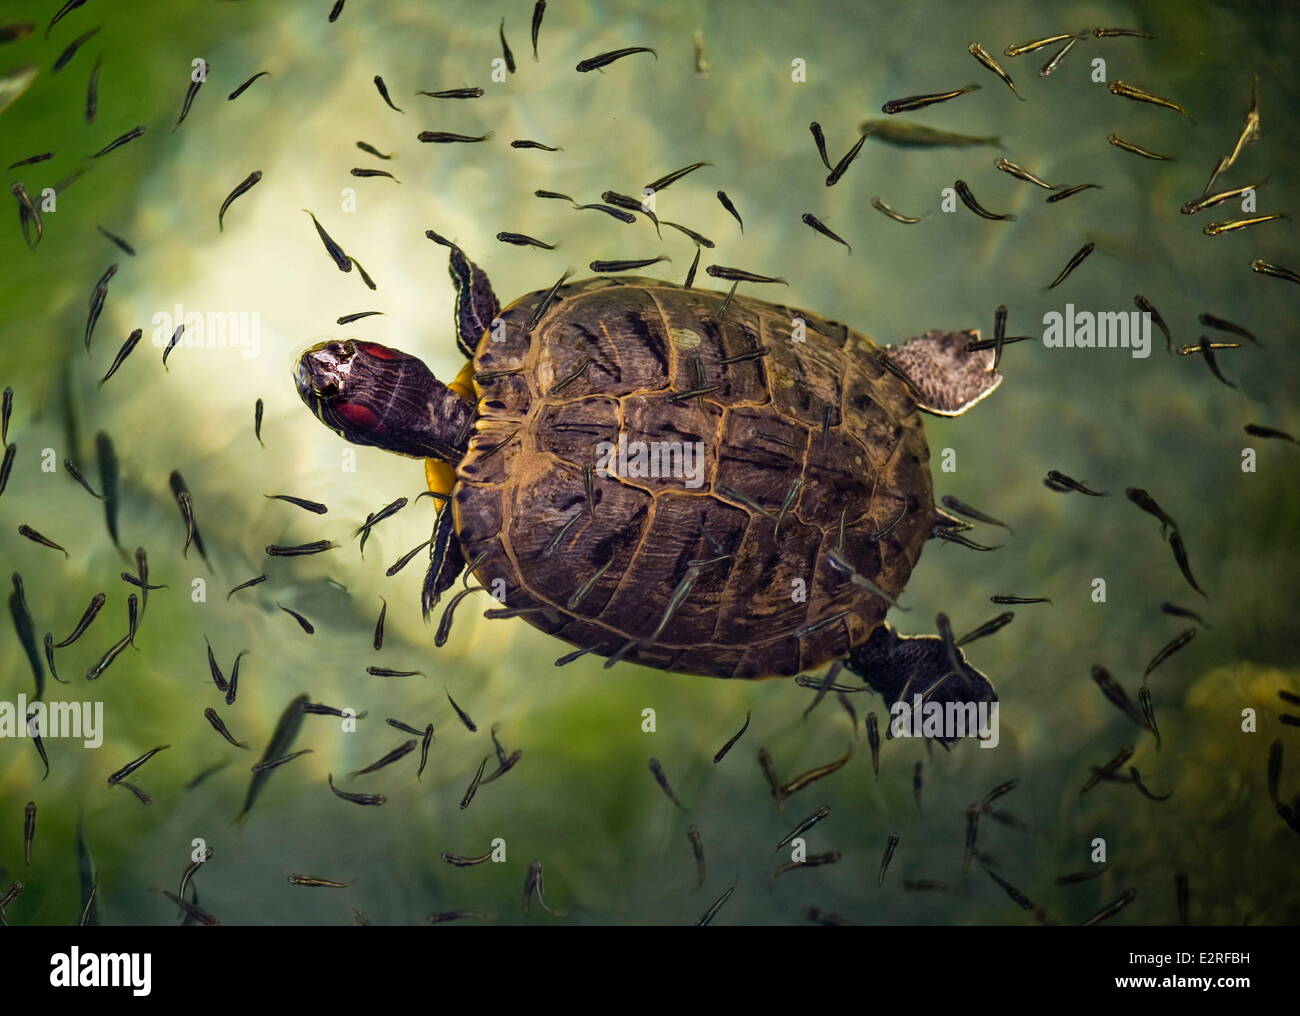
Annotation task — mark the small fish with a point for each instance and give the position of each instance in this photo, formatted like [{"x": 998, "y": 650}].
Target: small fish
[
  {"x": 75, "y": 473},
  {"x": 341, "y": 259},
  {"x": 731, "y": 208},
  {"x": 1020, "y": 173},
  {"x": 505, "y": 48},
  {"x": 474, "y": 784},
  {"x": 245, "y": 585},
  {"x": 400, "y": 752},
  {"x": 1021, "y": 899},
  {"x": 119, "y": 141},
  {"x": 219, "y": 726},
  {"x": 873, "y": 738},
  {"x": 91, "y": 612},
  {"x": 1210, "y": 200},
  {"x": 820, "y": 140},
  {"x": 92, "y": 91},
  {"x": 914, "y": 102},
  {"x": 176, "y": 337},
  {"x": 1148, "y": 504},
  {"x": 816, "y": 773},
  {"x": 1174, "y": 644},
  {"x": 662, "y": 779},
  {"x": 1219, "y": 228},
  {"x": 447, "y": 137},
  {"x": 190, "y": 93},
  {"x": 1061, "y": 195},
  {"x": 7, "y": 465},
  {"x": 135, "y": 764},
  {"x": 961, "y": 508},
  {"x": 918, "y": 770},
  {"x": 200, "y": 915},
  {"x": 1075, "y": 261},
  {"x": 464, "y": 716},
  {"x": 980, "y": 54},
  {"x": 521, "y": 240},
  {"x": 426, "y": 740},
  {"x": 968, "y": 199},
  {"x": 1144, "y": 305},
  {"x": 1116, "y": 694},
  {"x": 1143, "y": 789},
  {"x": 18, "y": 30},
  {"x": 387, "y": 512},
  {"x": 405, "y": 559},
  {"x": 1029, "y": 47},
  {"x": 35, "y": 537},
  {"x": 97, "y": 297},
  {"x": 1255, "y": 430},
  {"x": 1129, "y": 146},
  {"x": 1055, "y": 61},
  {"x": 972, "y": 835},
  {"x": 451, "y": 93},
  {"x": 1019, "y": 599},
  {"x": 880, "y": 206},
  {"x": 1107, "y": 771},
  {"x": 32, "y": 160},
  {"x": 811, "y": 220},
  {"x": 121, "y": 244},
  {"x": 242, "y": 88},
  {"x": 740, "y": 275},
  {"x": 66, "y": 56},
  {"x": 731, "y": 742},
  {"x": 29, "y": 830},
  {"x": 128, "y": 347},
  {"x": 690, "y": 272},
  {"x": 717, "y": 905},
  {"x": 6, "y": 411},
  {"x": 373, "y": 800},
  {"x": 811, "y": 861},
  {"x": 987, "y": 628},
  {"x": 306, "y": 625},
  {"x": 302, "y": 549},
  {"x": 247, "y": 184},
  {"x": 700, "y": 240},
  {"x": 299, "y": 502},
  {"x": 311, "y": 881},
  {"x": 539, "y": 9},
  {"x": 1111, "y": 909},
  {"x": 1127, "y": 91},
  {"x": 383, "y": 93},
  {"x": 627, "y": 266},
  {"x": 1082, "y": 876},
  {"x": 1277, "y": 271},
  {"x": 365, "y": 173},
  {"x": 467, "y": 862},
  {"x": 890, "y": 846},
  {"x": 842, "y": 166},
  {"x": 390, "y": 672},
  {"x": 534, "y": 145},
  {"x": 615, "y": 213},
  {"x": 1210, "y": 321},
  {"x": 1059, "y": 482},
  {"x": 605, "y": 59},
  {"x": 670, "y": 178}
]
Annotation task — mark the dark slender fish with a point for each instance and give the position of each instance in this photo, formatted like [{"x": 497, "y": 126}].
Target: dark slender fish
[
  {"x": 1277, "y": 271},
  {"x": 1144, "y": 305},
  {"x": 1061, "y": 195},
  {"x": 1148, "y": 504},
  {"x": 913, "y": 102},
  {"x": 245, "y": 585},
  {"x": 190, "y": 93},
  {"x": 474, "y": 784},
  {"x": 811, "y": 220},
  {"x": 122, "y": 245},
  {"x": 383, "y": 92},
  {"x": 128, "y": 347},
  {"x": 1142, "y": 787},
  {"x": 364, "y": 173},
  {"x": 521, "y": 240},
  {"x": 1024, "y": 901},
  {"x": 400, "y": 752},
  {"x": 247, "y": 184},
  {"x": 311, "y": 506},
  {"x": 534, "y": 145},
  {"x": 1174, "y": 644},
  {"x": 662, "y": 779},
  {"x": 961, "y": 508},
  {"x": 731, "y": 208},
  {"x": 331, "y": 247},
  {"x": 1110, "y": 910},
  {"x": 35, "y": 537},
  {"x": 968, "y": 199},
  {"x": 811, "y": 861},
  {"x": 816, "y": 773},
  {"x": 739, "y": 275},
  {"x": 32, "y": 160},
  {"x": 842, "y": 166},
  {"x": 626, "y": 266},
  {"x": 92, "y": 611},
  {"x": 1127, "y": 91},
  {"x": 464, "y": 716},
  {"x": 63, "y": 12},
  {"x": 987, "y": 628},
  {"x": 66, "y": 56},
  {"x": 426, "y": 740},
  {"x": 7, "y": 465},
  {"x": 1210, "y": 321},
  {"x": 1079, "y": 256},
  {"x": 820, "y": 139},
  {"x": 1083, "y": 876},
  {"x": 306, "y": 625},
  {"x": 1055, "y": 61},
  {"x": 1059, "y": 482},
  {"x": 29, "y": 830},
  {"x": 690, "y": 273},
  {"x": 219, "y": 726},
  {"x": 1107, "y": 771},
  {"x": 467, "y": 862},
  {"x": 539, "y": 8},
  {"x": 731, "y": 743},
  {"x": 390, "y": 672},
  {"x": 200, "y": 915},
  {"x": 97, "y": 297},
  {"x": 918, "y": 771},
  {"x": 615, "y": 213},
  {"x": 447, "y": 137},
  {"x": 1180, "y": 555},
  {"x": 890, "y": 846},
  {"x": 505, "y": 48},
  {"x": 302, "y": 549},
  {"x": 135, "y": 764},
  {"x": 605, "y": 59},
  {"x": 1118, "y": 697},
  {"x": 1255, "y": 430},
  {"x": 242, "y": 88},
  {"x": 286, "y": 731},
  {"x": 176, "y": 337},
  {"x": 717, "y": 905},
  {"x": 17, "y": 30},
  {"x": 804, "y": 826},
  {"x": 1129, "y": 146},
  {"x": 119, "y": 141}
]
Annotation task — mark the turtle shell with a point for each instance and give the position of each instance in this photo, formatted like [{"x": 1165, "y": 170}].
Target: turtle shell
[{"x": 748, "y": 561}]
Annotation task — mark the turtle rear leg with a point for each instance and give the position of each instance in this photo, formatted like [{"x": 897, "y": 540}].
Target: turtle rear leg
[
  {"x": 902, "y": 666},
  {"x": 476, "y": 305},
  {"x": 945, "y": 378}
]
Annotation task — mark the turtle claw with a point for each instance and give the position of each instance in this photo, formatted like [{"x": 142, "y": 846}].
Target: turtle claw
[{"x": 947, "y": 379}]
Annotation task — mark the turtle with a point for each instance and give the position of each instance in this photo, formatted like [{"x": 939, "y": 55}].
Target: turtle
[{"x": 696, "y": 481}]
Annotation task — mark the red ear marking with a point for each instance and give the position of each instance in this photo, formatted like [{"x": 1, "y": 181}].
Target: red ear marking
[
  {"x": 357, "y": 415},
  {"x": 376, "y": 350}
]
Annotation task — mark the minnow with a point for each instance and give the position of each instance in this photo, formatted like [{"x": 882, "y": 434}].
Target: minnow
[
  {"x": 347, "y": 319},
  {"x": 390, "y": 672},
  {"x": 97, "y": 297},
  {"x": 1174, "y": 644},
  {"x": 265, "y": 765},
  {"x": 405, "y": 559},
  {"x": 699, "y": 239},
  {"x": 66, "y": 56},
  {"x": 373, "y": 800},
  {"x": 614, "y": 213},
  {"x": 555, "y": 195},
  {"x": 816, "y": 773},
  {"x": 454, "y": 93},
  {"x": 1082, "y": 876},
  {"x": 962, "y": 541},
  {"x": 386, "y": 512},
  {"x": 214, "y": 668},
  {"x": 119, "y": 141},
  {"x": 1144, "y": 305},
  {"x": 366, "y": 173},
  {"x": 670, "y": 178},
  {"x": 464, "y": 716},
  {"x": 1029, "y": 47},
  {"x": 1020, "y": 173},
  {"x": 1109, "y": 769},
  {"x": 447, "y": 137},
  {"x": 505, "y": 48},
  {"x": 1211, "y": 346},
  {"x": 63, "y": 12},
  {"x": 534, "y": 145},
  {"x": 312, "y": 881},
  {"x": 219, "y": 726},
  {"x": 245, "y": 585},
  {"x": 1148, "y": 504},
  {"x": 842, "y": 166},
  {"x": 1111, "y": 909},
  {"x": 961, "y": 508},
  {"x": 426, "y": 740},
  {"x": 697, "y": 848},
  {"x": 740, "y": 275},
  {"x": 200, "y": 915},
  {"x": 29, "y": 216},
  {"x": 1277, "y": 271},
  {"x": 987, "y": 628},
  {"x": 474, "y": 784},
  {"x": 539, "y": 9},
  {"x": 731, "y": 208},
  {"x": 504, "y": 767},
  {"x": 88, "y": 616},
  {"x": 442, "y": 916},
  {"x": 104, "y": 662},
  {"x": 1127, "y": 91},
  {"x": 121, "y": 244},
  {"x": 29, "y": 830},
  {"x": 405, "y": 728},
  {"x": 1129, "y": 146},
  {"x": 626, "y": 266},
  {"x": 383, "y": 93},
  {"x": 1206, "y": 349},
  {"x": 820, "y": 140},
  {"x": 1209, "y": 201},
  {"x": 631, "y": 204},
  {"x": 6, "y": 410},
  {"x": 662, "y": 779},
  {"x": 400, "y": 752},
  {"x": 1075, "y": 261},
  {"x": 905, "y": 134},
  {"x": 187, "y": 515},
  {"x": 811, "y": 861},
  {"x": 467, "y": 862},
  {"x": 605, "y": 59},
  {"x": 873, "y": 738},
  {"x": 1210, "y": 321},
  {"x": 341, "y": 259},
  {"x": 299, "y": 502},
  {"x": 135, "y": 764},
  {"x": 1055, "y": 61},
  {"x": 242, "y": 88},
  {"x": 1061, "y": 195},
  {"x": 176, "y": 337},
  {"x": 1142, "y": 787},
  {"x": 303, "y": 623},
  {"x": 232, "y": 688},
  {"x": 1116, "y": 694},
  {"x": 914, "y": 102},
  {"x": 1255, "y": 430},
  {"x": 35, "y": 537},
  {"x": 1019, "y": 599},
  {"x": 880, "y": 206},
  {"x": 302, "y": 549},
  {"x": 717, "y": 905},
  {"x": 1020, "y": 898},
  {"x": 31, "y": 160},
  {"x": 980, "y": 54},
  {"x": 811, "y": 220},
  {"x": 190, "y": 93},
  {"x": 18, "y": 30},
  {"x": 968, "y": 199},
  {"x": 1219, "y": 228},
  {"x": 522, "y": 240},
  {"x": 128, "y": 347},
  {"x": 1117, "y": 33},
  {"x": 247, "y": 184},
  {"x": 34, "y": 732}
]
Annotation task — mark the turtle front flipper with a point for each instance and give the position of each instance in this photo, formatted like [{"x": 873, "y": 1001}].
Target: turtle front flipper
[
  {"x": 944, "y": 377},
  {"x": 901, "y": 667},
  {"x": 476, "y": 305},
  {"x": 446, "y": 561}
]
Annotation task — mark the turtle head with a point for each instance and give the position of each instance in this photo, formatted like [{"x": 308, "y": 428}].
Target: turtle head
[{"x": 379, "y": 396}]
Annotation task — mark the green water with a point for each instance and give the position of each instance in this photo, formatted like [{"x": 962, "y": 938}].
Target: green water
[{"x": 582, "y": 800}]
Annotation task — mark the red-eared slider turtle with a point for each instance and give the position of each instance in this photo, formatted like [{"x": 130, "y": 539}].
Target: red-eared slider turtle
[{"x": 650, "y": 477}]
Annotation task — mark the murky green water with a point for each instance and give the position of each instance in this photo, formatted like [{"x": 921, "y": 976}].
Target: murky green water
[{"x": 582, "y": 800}]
